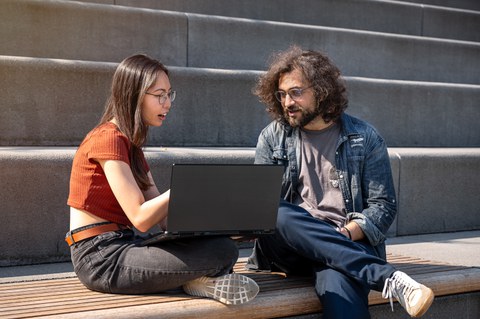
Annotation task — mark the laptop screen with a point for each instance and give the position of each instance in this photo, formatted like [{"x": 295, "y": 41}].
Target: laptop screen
[{"x": 234, "y": 198}]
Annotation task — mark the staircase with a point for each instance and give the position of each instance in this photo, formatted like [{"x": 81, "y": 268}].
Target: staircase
[{"x": 412, "y": 70}]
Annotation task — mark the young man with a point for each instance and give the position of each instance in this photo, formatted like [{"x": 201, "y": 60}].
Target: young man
[{"x": 338, "y": 194}]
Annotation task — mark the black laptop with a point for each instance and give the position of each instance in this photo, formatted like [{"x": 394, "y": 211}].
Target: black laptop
[{"x": 218, "y": 199}]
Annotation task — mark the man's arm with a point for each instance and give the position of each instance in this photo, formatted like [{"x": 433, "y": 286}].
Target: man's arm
[
  {"x": 264, "y": 150},
  {"x": 378, "y": 195}
]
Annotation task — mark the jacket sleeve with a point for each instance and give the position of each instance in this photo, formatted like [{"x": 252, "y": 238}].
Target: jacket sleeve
[
  {"x": 379, "y": 206},
  {"x": 264, "y": 150}
]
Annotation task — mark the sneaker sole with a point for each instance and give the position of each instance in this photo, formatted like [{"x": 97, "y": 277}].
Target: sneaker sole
[
  {"x": 426, "y": 305},
  {"x": 232, "y": 289}
]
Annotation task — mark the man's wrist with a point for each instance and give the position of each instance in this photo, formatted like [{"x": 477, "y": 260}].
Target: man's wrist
[{"x": 349, "y": 234}]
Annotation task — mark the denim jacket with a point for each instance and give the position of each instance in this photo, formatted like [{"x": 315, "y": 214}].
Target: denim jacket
[{"x": 363, "y": 169}]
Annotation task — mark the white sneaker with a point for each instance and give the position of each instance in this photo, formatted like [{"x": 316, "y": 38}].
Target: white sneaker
[
  {"x": 414, "y": 297},
  {"x": 232, "y": 289}
]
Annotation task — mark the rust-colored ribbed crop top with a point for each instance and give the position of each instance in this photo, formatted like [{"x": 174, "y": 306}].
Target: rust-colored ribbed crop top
[{"x": 89, "y": 188}]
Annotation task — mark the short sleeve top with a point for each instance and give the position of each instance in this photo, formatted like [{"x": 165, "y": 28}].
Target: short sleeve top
[{"x": 89, "y": 188}]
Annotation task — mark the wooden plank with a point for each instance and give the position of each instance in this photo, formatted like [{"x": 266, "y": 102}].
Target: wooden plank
[
  {"x": 267, "y": 305},
  {"x": 280, "y": 295}
]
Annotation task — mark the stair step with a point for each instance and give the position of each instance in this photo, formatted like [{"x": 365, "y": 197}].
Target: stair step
[
  {"x": 84, "y": 31},
  {"x": 216, "y": 107},
  {"x": 459, "y": 4},
  {"x": 382, "y": 16},
  {"x": 436, "y": 190}
]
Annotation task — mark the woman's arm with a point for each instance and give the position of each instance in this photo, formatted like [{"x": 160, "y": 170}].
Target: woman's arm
[
  {"x": 151, "y": 193},
  {"x": 143, "y": 209}
]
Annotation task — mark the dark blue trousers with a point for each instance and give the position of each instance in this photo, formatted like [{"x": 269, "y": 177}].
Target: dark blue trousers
[{"x": 344, "y": 271}]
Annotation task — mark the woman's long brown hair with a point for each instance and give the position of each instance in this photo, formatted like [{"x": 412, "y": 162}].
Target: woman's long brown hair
[{"x": 132, "y": 78}]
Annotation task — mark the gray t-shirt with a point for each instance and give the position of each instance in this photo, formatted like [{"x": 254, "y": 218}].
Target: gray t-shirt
[{"x": 319, "y": 189}]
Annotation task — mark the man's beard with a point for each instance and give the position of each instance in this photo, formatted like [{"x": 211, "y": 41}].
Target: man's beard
[{"x": 305, "y": 117}]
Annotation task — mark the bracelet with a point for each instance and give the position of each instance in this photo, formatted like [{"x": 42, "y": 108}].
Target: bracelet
[{"x": 348, "y": 232}]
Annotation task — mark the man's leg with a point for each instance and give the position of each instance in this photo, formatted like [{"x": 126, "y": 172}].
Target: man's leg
[
  {"x": 271, "y": 254},
  {"x": 323, "y": 244},
  {"x": 341, "y": 296}
]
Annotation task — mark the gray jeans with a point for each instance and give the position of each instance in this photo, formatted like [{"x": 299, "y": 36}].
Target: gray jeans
[{"x": 114, "y": 262}]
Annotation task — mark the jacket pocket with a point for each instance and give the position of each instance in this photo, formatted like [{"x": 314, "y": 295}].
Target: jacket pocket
[{"x": 280, "y": 156}]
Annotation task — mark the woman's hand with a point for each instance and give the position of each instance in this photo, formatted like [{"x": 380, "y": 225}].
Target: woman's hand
[{"x": 163, "y": 224}]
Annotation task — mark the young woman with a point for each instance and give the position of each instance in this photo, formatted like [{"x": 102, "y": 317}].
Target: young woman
[{"x": 112, "y": 191}]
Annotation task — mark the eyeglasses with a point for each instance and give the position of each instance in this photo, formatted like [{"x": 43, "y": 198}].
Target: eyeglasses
[
  {"x": 162, "y": 98},
  {"x": 294, "y": 93}
]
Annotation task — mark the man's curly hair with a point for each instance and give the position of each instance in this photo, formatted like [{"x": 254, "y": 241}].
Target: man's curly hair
[{"x": 318, "y": 70}]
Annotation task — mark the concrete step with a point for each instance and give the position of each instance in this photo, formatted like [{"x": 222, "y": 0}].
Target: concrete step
[
  {"x": 437, "y": 192},
  {"x": 357, "y": 53},
  {"x": 216, "y": 107},
  {"x": 84, "y": 31},
  {"x": 434, "y": 186},
  {"x": 381, "y": 16},
  {"x": 459, "y": 4},
  {"x": 35, "y": 186},
  {"x": 450, "y": 247}
]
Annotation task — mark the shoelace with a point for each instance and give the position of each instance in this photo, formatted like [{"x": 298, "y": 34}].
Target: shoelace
[
  {"x": 387, "y": 292},
  {"x": 398, "y": 284}
]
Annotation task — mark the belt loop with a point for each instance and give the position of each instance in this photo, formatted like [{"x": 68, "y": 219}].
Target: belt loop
[{"x": 70, "y": 237}]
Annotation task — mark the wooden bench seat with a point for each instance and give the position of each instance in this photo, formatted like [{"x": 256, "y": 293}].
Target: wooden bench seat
[{"x": 279, "y": 296}]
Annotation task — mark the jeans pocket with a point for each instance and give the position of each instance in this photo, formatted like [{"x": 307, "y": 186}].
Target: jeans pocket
[
  {"x": 79, "y": 259},
  {"x": 109, "y": 243}
]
